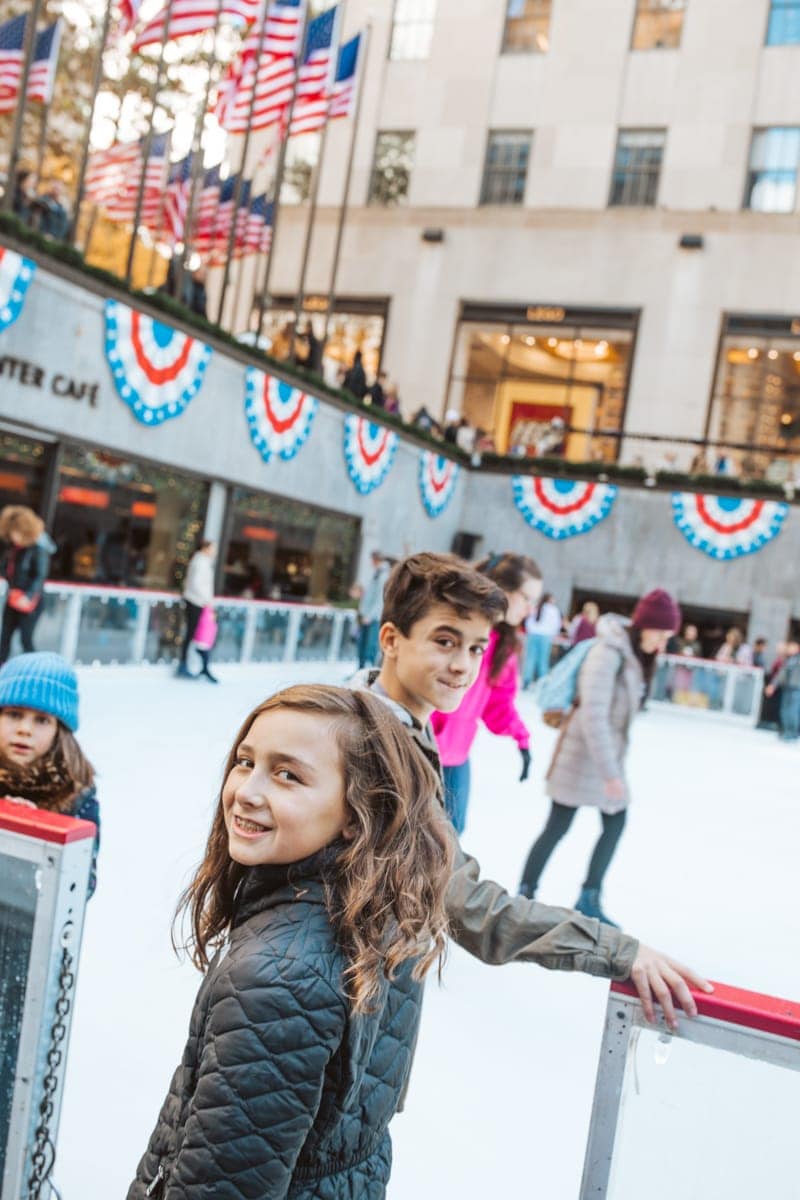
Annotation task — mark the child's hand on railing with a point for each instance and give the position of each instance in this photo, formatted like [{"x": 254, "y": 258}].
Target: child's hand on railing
[{"x": 660, "y": 979}]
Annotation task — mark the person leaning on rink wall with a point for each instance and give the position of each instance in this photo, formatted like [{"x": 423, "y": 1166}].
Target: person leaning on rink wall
[{"x": 437, "y": 618}]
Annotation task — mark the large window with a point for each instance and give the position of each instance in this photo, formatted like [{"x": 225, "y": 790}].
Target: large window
[
  {"x": 22, "y": 470},
  {"x": 516, "y": 371},
  {"x": 355, "y": 324},
  {"x": 283, "y": 550},
  {"x": 506, "y": 168},
  {"x": 527, "y": 27},
  {"x": 391, "y": 168},
  {"x": 658, "y": 24},
  {"x": 772, "y": 176},
  {"x": 756, "y": 398},
  {"x": 124, "y": 523},
  {"x": 412, "y": 29},
  {"x": 637, "y": 167},
  {"x": 784, "y": 23}
]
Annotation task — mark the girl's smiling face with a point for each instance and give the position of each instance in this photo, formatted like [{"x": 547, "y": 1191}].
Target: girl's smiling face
[
  {"x": 26, "y": 735},
  {"x": 284, "y": 796}
]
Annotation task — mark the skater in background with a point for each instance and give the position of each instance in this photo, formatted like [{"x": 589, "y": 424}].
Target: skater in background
[
  {"x": 492, "y": 697},
  {"x": 584, "y": 625},
  {"x": 541, "y": 628},
  {"x": 24, "y": 564},
  {"x": 370, "y": 606},
  {"x": 198, "y": 594},
  {"x": 787, "y": 681},
  {"x": 588, "y": 764},
  {"x": 41, "y": 763},
  {"x": 321, "y": 896}
]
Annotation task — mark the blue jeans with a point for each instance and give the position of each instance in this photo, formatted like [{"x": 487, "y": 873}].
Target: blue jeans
[
  {"x": 537, "y": 657},
  {"x": 456, "y": 794},
  {"x": 368, "y": 643},
  {"x": 790, "y": 713}
]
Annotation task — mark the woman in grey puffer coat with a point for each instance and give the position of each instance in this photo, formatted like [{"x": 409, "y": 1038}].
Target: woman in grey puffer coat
[{"x": 588, "y": 764}]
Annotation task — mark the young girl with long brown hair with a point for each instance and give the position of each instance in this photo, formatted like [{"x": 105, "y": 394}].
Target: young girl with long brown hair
[
  {"x": 492, "y": 697},
  {"x": 41, "y": 763},
  {"x": 321, "y": 900}
]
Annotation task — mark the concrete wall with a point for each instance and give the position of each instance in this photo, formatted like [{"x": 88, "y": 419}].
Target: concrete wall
[
  {"x": 61, "y": 329},
  {"x": 639, "y": 547}
]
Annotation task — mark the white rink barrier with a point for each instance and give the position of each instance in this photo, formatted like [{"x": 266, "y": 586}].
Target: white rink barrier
[
  {"x": 45, "y": 859},
  {"x": 91, "y": 625},
  {"x": 716, "y": 688},
  {"x": 710, "y": 1110}
]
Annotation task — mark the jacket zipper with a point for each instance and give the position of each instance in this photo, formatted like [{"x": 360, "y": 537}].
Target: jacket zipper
[{"x": 152, "y": 1187}]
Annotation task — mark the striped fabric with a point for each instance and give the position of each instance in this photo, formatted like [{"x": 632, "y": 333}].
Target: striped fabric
[{"x": 42, "y": 73}]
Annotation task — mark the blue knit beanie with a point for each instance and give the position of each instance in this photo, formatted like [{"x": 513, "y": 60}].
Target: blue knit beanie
[{"x": 42, "y": 681}]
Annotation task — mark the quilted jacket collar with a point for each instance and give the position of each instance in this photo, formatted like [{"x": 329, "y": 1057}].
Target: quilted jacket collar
[{"x": 271, "y": 885}]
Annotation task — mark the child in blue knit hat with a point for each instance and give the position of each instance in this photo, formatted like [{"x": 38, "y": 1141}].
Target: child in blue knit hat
[{"x": 41, "y": 763}]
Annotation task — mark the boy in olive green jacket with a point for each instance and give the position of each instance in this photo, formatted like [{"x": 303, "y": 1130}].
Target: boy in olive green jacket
[{"x": 438, "y": 613}]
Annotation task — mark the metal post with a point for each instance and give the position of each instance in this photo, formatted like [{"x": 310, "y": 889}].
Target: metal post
[
  {"x": 292, "y": 636},
  {"x": 139, "y": 646},
  {"x": 335, "y": 648},
  {"x": 346, "y": 195},
  {"x": 22, "y": 98},
  {"x": 279, "y": 169},
  {"x": 237, "y": 191},
  {"x": 249, "y": 636},
  {"x": 72, "y": 624},
  {"x": 148, "y": 142},
  {"x": 97, "y": 79}
]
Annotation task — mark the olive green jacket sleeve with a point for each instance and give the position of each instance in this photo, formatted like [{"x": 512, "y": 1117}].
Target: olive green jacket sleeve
[{"x": 498, "y": 928}]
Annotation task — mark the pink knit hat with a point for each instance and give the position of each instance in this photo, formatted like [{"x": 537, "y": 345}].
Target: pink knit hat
[{"x": 657, "y": 610}]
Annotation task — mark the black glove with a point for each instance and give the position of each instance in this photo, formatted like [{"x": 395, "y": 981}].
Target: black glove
[{"x": 526, "y": 764}]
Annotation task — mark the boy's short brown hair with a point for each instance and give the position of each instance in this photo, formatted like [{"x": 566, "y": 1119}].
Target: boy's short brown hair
[{"x": 419, "y": 582}]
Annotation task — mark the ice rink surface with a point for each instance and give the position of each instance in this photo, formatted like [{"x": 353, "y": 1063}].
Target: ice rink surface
[{"x": 502, "y": 1088}]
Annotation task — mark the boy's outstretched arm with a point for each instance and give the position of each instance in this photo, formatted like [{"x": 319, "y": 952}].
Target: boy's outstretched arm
[{"x": 498, "y": 928}]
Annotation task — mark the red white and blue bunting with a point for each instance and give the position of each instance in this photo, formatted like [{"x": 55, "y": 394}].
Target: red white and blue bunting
[
  {"x": 562, "y": 508},
  {"x": 369, "y": 452},
  {"x": 16, "y": 274},
  {"x": 157, "y": 370},
  {"x": 279, "y": 416},
  {"x": 726, "y": 527},
  {"x": 438, "y": 477}
]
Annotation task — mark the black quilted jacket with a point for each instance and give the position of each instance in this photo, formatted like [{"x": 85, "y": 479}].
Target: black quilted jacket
[{"x": 282, "y": 1091}]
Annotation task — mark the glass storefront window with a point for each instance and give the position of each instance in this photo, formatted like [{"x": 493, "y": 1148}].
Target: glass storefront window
[
  {"x": 527, "y": 27},
  {"x": 348, "y": 331},
  {"x": 22, "y": 468},
  {"x": 124, "y": 523},
  {"x": 784, "y": 23},
  {"x": 412, "y": 29},
  {"x": 756, "y": 399},
  {"x": 658, "y": 24},
  {"x": 772, "y": 175},
  {"x": 391, "y": 168},
  {"x": 517, "y": 384},
  {"x": 281, "y": 549}
]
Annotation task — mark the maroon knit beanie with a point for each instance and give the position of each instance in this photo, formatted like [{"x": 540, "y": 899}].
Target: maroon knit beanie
[{"x": 657, "y": 610}]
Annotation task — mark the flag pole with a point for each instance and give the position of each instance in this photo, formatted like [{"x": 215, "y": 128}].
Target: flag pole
[
  {"x": 97, "y": 79},
  {"x": 197, "y": 155},
  {"x": 19, "y": 112},
  {"x": 148, "y": 142},
  {"x": 237, "y": 190},
  {"x": 312, "y": 209},
  {"x": 337, "y": 250},
  {"x": 279, "y": 170}
]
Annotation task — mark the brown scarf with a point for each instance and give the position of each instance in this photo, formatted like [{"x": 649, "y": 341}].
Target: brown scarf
[{"x": 46, "y": 782}]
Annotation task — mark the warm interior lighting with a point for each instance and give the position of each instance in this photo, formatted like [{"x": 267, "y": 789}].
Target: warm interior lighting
[
  {"x": 258, "y": 533},
  {"x": 143, "y": 508},
  {"x": 773, "y": 354},
  {"x": 752, "y": 352},
  {"x": 12, "y": 483},
  {"x": 84, "y": 497}
]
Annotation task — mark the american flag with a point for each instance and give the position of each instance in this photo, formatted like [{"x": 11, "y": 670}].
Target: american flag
[
  {"x": 176, "y": 203},
  {"x": 116, "y": 192},
  {"x": 42, "y": 74},
  {"x": 188, "y": 18},
  {"x": 205, "y": 210},
  {"x": 314, "y": 77},
  {"x": 258, "y": 234},
  {"x": 221, "y": 226},
  {"x": 343, "y": 93},
  {"x": 242, "y": 214},
  {"x": 128, "y": 14},
  {"x": 274, "y": 78}
]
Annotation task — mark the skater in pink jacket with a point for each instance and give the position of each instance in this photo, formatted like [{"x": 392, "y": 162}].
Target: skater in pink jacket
[{"x": 492, "y": 697}]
